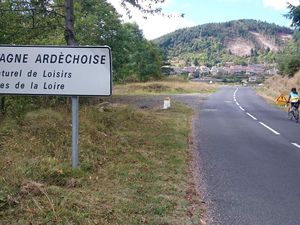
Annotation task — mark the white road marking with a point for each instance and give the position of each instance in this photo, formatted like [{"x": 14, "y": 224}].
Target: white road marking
[
  {"x": 236, "y": 90},
  {"x": 266, "y": 126},
  {"x": 209, "y": 110},
  {"x": 296, "y": 145},
  {"x": 234, "y": 94},
  {"x": 251, "y": 116},
  {"x": 242, "y": 108},
  {"x": 274, "y": 131}
]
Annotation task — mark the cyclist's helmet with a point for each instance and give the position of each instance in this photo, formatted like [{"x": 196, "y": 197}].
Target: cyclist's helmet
[{"x": 293, "y": 90}]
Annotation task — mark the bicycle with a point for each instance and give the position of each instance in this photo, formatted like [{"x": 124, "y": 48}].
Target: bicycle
[{"x": 293, "y": 112}]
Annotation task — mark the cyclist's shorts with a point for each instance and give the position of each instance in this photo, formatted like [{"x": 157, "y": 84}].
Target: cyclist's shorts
[{"x": 295, "y": 104}]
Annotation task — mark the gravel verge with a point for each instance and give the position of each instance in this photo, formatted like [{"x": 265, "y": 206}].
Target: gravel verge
[{"x": 157, "y": 101}]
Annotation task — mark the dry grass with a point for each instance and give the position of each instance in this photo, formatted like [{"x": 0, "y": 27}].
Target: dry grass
[
  {"x": 162, "y": 87},
  {"x": 133, "y": 168},
  {"x": 277, "y": 85}
]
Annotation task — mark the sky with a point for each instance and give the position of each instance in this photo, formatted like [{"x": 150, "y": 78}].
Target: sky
[{"x": 198, "y": 12}]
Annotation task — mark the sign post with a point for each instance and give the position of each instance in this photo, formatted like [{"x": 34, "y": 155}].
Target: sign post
[
  {"x": 75, "y": 127},
  {"x": 57, "y": 70}
]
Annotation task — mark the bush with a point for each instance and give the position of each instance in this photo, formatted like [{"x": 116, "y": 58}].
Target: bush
[
  {"x": 293, "y": 66},
  {"x": 289, "y": 65},
  {"x": 17, "y": 107}
]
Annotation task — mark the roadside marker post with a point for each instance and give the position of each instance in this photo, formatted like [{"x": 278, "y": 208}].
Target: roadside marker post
[
  {"x": 57, "y": 70},
  {"x": 167, "y": 103}
]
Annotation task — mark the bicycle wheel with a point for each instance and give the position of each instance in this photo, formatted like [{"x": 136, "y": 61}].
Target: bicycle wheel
[
  {"x": 291, "y": 115},
  {"x": 296, "y": 115}
]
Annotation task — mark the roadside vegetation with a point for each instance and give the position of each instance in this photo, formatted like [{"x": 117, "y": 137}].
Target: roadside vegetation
[
  {"x": 288, "y": 63},
  {"x": 134, "y": 163},
  {"x": 175, "y": 85},
  {"x": 97, "y": 23},
  {"x": 133, "y": 167},
  {"x": 279, "y": 85}
]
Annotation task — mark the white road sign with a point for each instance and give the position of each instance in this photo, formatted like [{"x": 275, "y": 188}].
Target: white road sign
[{"x": 55, "y": 70}]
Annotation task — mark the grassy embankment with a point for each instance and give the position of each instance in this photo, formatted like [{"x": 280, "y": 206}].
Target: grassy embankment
[
  {"x": 162, "y": 87},
  {"x": 277, "y": 85},
  {"x": 133, "y": 167}
]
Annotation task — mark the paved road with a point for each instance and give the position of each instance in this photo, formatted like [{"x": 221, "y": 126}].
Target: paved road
[{"x": 250, "y": 160}]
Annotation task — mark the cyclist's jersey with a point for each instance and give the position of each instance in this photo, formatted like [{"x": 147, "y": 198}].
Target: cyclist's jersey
[{"x": 294, "y": 97}]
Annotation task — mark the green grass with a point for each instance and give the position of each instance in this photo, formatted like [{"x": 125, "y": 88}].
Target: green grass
[{"x": 133, "y": 168}]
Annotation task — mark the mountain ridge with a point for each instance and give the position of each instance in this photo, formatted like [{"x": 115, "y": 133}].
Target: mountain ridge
[{"x": 214, "y": 43}]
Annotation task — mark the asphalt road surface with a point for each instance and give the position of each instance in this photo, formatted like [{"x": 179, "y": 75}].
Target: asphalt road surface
[{"x": 250, "y": 160}]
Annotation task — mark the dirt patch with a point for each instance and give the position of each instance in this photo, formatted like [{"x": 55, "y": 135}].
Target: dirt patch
[
  {"x": 240, "y": 47},
  {"x": 155, "y": 101},
  {"x": 265, "y": 42}
]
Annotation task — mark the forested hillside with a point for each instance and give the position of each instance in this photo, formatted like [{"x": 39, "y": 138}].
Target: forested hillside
[
  {"x": 240, "y": 41},
  {"x": 96, "y": 23}
]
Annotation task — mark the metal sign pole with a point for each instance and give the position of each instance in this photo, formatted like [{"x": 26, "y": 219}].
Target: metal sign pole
[{"x": 75, "y": 124}]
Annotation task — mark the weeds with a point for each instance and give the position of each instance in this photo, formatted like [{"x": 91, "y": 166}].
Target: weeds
[
  {"x": 132, "y": 167},
  {"x": 164, "y": 87}
]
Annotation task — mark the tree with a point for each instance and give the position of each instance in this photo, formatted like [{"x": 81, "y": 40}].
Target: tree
[
  {"x": 97, "y": 23},
  {"x": 146, "y": 7},
  {"x": 37, "y": 13},
  {"x": 69, "y": 23},
  {"x": 30, "y": 22},
  {"x": 150, "y": 62},
  {"x": 294, "y": 15},
  {"x": 289, "y": 62},
  {"x": 196, "y": 62},
  {"x": 188, "y": 62},
  {"x": 139, "y": 59}
]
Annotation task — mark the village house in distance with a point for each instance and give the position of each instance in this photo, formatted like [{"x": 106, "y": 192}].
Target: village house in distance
[{"x": 229, "y": 72}]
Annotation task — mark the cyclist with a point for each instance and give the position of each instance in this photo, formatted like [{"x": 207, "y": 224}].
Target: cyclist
[{"x": 293, "y": 98}]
